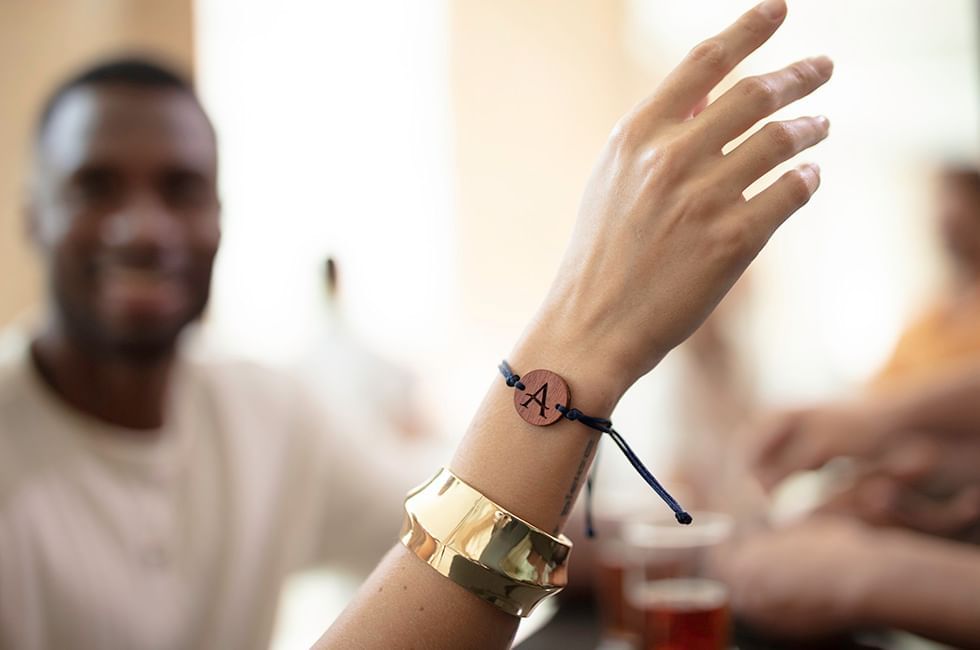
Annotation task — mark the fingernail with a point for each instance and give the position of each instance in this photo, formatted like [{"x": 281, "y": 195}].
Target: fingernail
[
  {"x": 823, "y": 121},
  {"x": 822, "y": 64},
  {"x": 773, "y": 9},
  {"x": 814, "y": 167}
]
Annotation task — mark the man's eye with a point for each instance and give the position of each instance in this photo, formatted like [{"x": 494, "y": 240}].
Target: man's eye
[
  {"x": 186, "y": 190},
  {"x": 97, "y": 185}
]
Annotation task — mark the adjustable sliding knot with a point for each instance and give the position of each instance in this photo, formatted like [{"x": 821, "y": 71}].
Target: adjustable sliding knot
[
  {"x": 513, "y": 379},
  {"x": 571, "y": 414},
  {"x": 599, "y": 424}
]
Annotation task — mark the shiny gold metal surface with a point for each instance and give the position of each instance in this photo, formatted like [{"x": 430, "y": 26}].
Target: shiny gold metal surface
[{"x": 481, "y": 546}]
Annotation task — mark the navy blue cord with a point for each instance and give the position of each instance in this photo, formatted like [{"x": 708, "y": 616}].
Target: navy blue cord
[
  {"x": 605, "y": 426},
  {"x": 589, "y": 482},
  {"x": 513, "y": 380}
]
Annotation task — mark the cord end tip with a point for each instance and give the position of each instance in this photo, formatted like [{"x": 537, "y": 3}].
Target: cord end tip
[{"x": 684, "y": 518}]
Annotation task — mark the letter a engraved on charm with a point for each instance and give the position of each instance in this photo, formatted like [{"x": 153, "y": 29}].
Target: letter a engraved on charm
[{"x": 543, "y": 391}]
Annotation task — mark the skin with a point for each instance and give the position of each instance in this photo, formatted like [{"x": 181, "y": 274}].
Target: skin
[
  {"x": 916, "y": 449},
  {"x": 919, "y": 484},
  {"x": 915, "y": 453},
  {"x": 124, "y": 212},
  {"x": 934, "y": 594},
  {"x": 958, "y": 217},
  {"x": 663, "y": 232}
]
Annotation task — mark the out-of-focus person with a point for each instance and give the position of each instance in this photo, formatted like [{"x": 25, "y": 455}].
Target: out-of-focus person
[
  {"x": 914, "y": 455},
  {"x": 828, "y": 576},
  {"x": 148, "y": 500},
  {"x": 872, "y": 554},
  {"x": 947, "y": 335},
  {"x": 934, "y": 353},
  {"x": 895, "y": 546}
]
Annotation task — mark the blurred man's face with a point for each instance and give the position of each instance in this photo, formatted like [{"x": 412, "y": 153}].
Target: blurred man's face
[
  {"x": 125, "y": 211},
  {"x": 959, "y": 218}
]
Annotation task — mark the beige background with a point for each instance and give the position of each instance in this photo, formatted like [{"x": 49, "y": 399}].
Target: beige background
[
  {"x": 42, "y": 41},
  {"x": 536, "y": 87}
]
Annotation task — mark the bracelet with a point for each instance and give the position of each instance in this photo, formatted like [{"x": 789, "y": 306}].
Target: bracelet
[
  {"x": 481, "y": 546},
  {"x": 531, "y": 401}
]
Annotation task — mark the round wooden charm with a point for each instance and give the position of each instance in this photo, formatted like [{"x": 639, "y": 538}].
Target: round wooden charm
[{"x": 543, "y": 390}]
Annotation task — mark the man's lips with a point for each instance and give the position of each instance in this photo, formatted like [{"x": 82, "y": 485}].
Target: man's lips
[{"x": 141, "y": 292}]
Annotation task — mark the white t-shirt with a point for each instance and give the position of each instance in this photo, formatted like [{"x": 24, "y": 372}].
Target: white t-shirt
[{"x": 178, "y": 539}]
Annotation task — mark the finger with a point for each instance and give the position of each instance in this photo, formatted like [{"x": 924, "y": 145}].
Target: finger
[
  {"x": 797, "y": 450},
  {"x": 708, "y": 63},
  {"x": 771, "y": 207},
  {"x": 774, "y": 143},
  {"x": 910, "y": 461},
  {"x": 870, "y": 499},
  {"x": 937, "y": 517},
  {"x": 755, "y": 98},
  {"x": 770, "y": 444}
]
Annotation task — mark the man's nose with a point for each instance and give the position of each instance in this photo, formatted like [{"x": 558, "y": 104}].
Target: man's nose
[{"x": 141, "y": 224}]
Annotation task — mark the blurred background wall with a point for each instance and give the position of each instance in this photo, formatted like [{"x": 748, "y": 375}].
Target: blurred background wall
[{"x": 41, "y": 43}]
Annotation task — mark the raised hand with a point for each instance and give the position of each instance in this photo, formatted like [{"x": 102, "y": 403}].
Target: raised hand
[{"x": 663, "y": 230}]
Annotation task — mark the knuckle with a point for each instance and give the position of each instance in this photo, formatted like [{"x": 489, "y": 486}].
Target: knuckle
[
  {"x": 740, "y": 242},
  {"x": 690, "y": 207},
  {"x": 782, "y": 136},
  {"x": 662, "y": 159},
  {"x": 704, "y": 201},
  {"x": 709, "y": 200},
  {"x": 730, "y": 244},
  {"x": 651, "y": 159},
  {"x": 624, "y": 133},
  {"x": 798, "y": 187},
  {"x": 760, "y": 91},
  {"x": 800, "y": 74},
  {"x": 711, "y": 54}
]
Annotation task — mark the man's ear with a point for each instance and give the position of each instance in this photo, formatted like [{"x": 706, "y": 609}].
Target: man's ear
[
  {"x": 31, "y": 219},
  {"x": 31, "y": 212}
]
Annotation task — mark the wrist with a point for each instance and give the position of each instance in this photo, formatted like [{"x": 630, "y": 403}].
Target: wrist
[{"x": 596, "y": 377}]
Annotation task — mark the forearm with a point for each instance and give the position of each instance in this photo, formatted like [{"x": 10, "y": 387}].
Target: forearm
[
  {"x": 535, "y": 472},
  {"x": 927, "y": 586},
  {"x": 949, "y": 404}
]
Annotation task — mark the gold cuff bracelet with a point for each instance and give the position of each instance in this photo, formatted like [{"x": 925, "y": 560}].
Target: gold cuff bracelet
[{"x": 481, "y": 546}]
